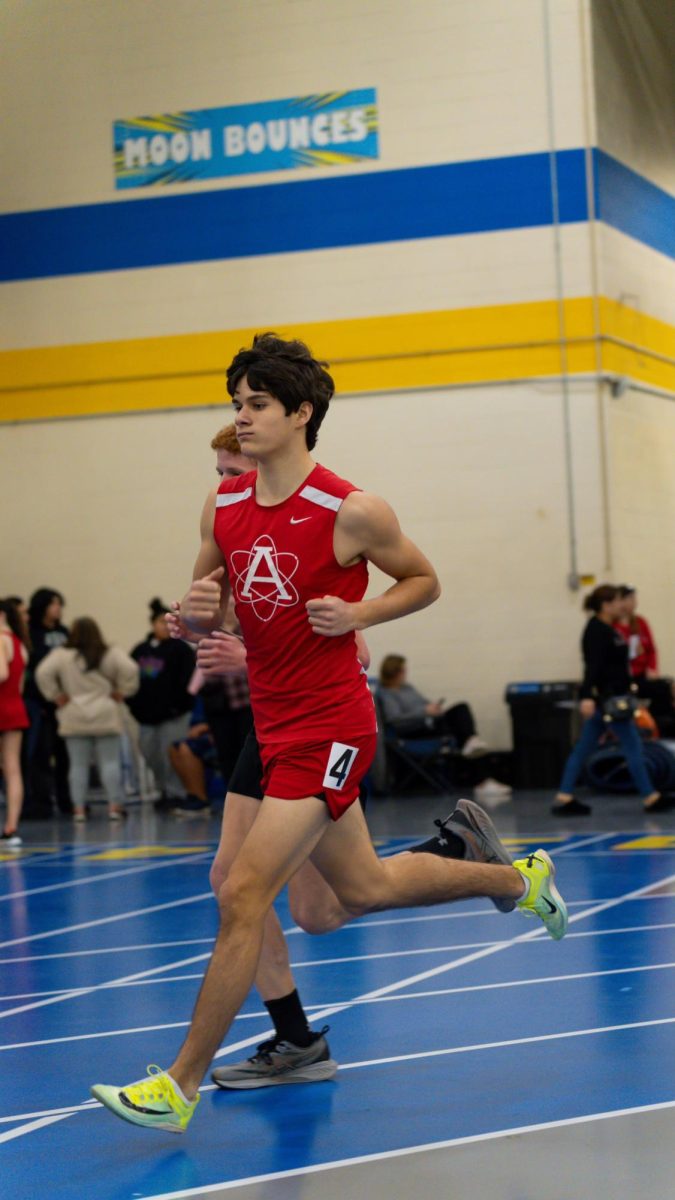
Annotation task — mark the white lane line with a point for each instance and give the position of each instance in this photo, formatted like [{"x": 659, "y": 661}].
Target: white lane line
[
  {"x": 495, "y": 948},
  {"x": 123, "y": 916},
  {"x": 506, "y": 1042},
  {"x": 108, "y": 1033},
  {"x": 32, "y": 1127},
  {"x": 481, "y": 950},
  {"x": 488, "y": 947},
  {"x": 103, "y": 876},
  {"x": 59, "y": 994},
  {"x": 336, "y": 1164},
  {"x": 50, "y": 1112},
  {"x": 43, "y": 855},
  {"x": 33, "y": 958},
  {"x": 77, "y": 992},
  {"x": 414, "y": 1056},
  {"x": 359, "y": 923},
  {"x": 588, "y": 841},
  {"x": 589, "y": 933},
  {"x": 396, "y": 998},
  {"x": 400, "y": 984}
]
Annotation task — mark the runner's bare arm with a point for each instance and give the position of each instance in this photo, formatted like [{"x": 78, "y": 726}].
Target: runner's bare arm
[
  {"x": 204, "y": 605},
  {"x": 366, "y": 527}
]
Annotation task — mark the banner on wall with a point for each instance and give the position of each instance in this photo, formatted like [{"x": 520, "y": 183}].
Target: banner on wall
[{"x": 327, "y": 130}]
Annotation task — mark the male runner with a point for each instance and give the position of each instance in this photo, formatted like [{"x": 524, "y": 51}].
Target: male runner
[
  {"x": 298, "y": 1054},
  {"x": 294, "y": 540}
]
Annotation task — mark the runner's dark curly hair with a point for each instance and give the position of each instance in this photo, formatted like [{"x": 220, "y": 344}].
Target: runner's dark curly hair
[{"x": 288, "y": 371}]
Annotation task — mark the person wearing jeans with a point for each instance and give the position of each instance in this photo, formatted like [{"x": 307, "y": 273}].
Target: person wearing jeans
[
  {"x": 606, "y": 674},
  {"x": 106, "y": 752}
]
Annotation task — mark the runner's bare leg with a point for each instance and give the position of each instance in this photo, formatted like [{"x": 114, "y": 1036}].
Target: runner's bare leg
[{"x": 284, "y": 834}]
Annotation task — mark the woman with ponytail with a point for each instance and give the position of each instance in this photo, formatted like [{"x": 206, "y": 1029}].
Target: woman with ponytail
[
  {"x": 606, "y": 677},
  {"x": 163, "y": 705}
]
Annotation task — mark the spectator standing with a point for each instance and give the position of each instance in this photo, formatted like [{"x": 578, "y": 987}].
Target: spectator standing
[
  {"x": 46, "y": 755},
  {"x": 163, "y": 704},
  {"x": 13, "y": 716},
  {"x": 635, "y": 630},
  {"x": 606, "y": 676},
  {"x": 644, "y": 665},
  {"x": 88, "y": 680}
]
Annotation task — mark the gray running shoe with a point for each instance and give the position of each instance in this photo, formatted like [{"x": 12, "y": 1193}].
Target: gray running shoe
[
  {"x": 471, "y": 823},
  {"x": 277, "y": 1062}
]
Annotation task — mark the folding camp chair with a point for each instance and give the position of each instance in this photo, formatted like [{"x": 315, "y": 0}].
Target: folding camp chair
[{"x": 423, "y": 759}]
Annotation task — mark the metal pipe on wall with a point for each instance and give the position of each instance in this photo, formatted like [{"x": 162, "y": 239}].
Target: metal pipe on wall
[{"x": 573, "y": 575}]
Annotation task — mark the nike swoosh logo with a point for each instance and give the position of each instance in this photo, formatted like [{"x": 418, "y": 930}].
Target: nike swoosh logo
[
  {"x": 299, "y": 520},
  {"x": 152, "y": 1112},
  {"x": 551, "y": 907}
]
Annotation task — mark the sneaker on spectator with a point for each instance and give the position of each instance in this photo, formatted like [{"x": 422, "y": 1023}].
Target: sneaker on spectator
[
  {"x": 191, "y": 804},
  {"x": 474, "y": 747},
  {"x": 492, "y": 792}
]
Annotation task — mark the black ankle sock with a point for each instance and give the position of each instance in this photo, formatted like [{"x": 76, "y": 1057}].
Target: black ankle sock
[
  {"x": 289, "y": 1020},
  {"x": 446, "y": 844}
]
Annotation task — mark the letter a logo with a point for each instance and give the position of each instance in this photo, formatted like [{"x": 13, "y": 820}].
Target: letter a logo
[
  {"x": 263, "y": 555},
  {"x": 262, "y": 577}
]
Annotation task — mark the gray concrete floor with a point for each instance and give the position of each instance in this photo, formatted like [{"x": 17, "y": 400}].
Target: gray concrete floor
[{"x": 621, "y": 1158}]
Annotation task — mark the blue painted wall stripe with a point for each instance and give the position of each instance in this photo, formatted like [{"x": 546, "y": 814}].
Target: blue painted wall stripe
[
  {"x": 632, "y": 204},
  {"x": 350, "y": 210}
]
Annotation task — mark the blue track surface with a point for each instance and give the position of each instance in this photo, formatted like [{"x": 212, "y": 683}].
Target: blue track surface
[{"x": 492, "y": 1037}]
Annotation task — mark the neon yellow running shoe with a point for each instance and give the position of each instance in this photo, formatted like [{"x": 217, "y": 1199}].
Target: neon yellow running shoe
[
  {"x": 156, "y": 1102},
  {"x": 543, "y": 899}
]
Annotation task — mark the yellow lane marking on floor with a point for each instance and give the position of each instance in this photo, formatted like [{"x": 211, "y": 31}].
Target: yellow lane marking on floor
[
  {"x": 23, "y": 851},
  {"x": 656, "y": 841},
  {"x": 122, "y": 852}
]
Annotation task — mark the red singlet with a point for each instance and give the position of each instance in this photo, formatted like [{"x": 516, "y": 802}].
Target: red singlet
[
  {"x": 13, "y": 713},
  {"x": 304, "y": 687}
]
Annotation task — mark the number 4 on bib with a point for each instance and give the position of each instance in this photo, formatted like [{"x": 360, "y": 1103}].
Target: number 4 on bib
[{"x": 340, "y": 762}]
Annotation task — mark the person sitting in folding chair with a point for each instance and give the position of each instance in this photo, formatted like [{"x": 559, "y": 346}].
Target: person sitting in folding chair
[
  {"x": 411, "y": 714},
  {"x": 412, "y": 718}
]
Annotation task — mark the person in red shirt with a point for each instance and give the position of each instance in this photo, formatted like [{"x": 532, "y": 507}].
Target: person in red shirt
[
  {"x": 634, "y": 629},
  {"x": 644, "y": 664},
  {"x": 292, "y": 541},
  {"x": 13, "y": 715}
]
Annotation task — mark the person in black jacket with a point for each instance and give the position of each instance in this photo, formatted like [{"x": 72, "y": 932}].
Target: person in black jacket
[
  {"x": 162, "y": 705},
  {"x": 45, "y": 755},
  {"x": 606, "y": 674}
]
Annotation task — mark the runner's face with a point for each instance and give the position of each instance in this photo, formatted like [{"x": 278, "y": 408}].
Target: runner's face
[
  {"x": 261, "y": 421},
  {"x": 230, "y": 466}
]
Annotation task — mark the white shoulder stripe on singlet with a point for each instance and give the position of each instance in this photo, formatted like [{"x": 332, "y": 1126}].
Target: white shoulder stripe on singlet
[
  {"x": 225, "y": 498},
  {"x": 324, "y": 499}
]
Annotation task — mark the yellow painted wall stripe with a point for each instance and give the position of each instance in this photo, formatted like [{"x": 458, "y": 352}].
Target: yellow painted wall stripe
[{"x": 385, "y": 353}]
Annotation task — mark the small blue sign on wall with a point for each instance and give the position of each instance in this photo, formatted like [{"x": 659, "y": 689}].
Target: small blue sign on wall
[{"x": 328, "y": 130}]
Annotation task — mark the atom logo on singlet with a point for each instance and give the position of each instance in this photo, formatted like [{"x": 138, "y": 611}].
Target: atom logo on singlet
[{"x": 262, "y": 577}]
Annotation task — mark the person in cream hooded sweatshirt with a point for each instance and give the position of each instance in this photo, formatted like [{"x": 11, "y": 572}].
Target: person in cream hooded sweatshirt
[{"x": 88, "y": 680}]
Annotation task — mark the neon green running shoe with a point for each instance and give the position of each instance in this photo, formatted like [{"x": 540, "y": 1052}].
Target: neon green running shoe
[
  {"x": 156, "y": 1102},
  {"x": 543, "y": 899}
]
